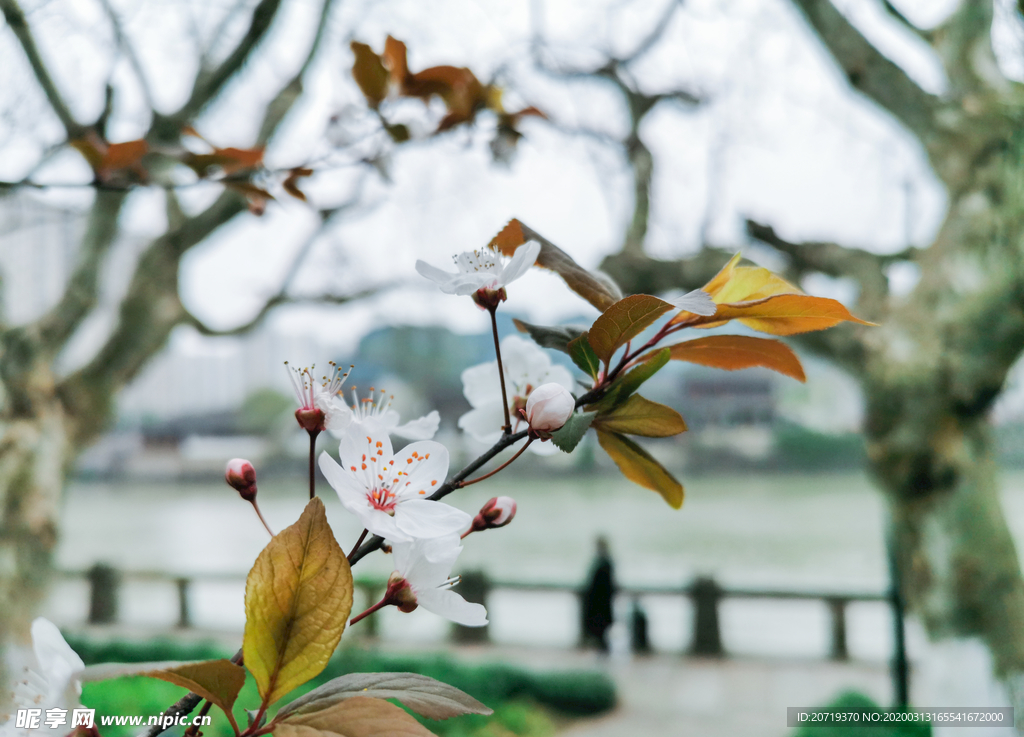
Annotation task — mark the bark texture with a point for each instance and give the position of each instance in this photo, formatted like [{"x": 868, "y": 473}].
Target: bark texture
[{"x": 933, "y": 369}]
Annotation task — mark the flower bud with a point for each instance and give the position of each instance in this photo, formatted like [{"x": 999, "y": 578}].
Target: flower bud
[
  {"x": 549, "y": 407},
  {"x": 498, "y": 512},
  {"x": 311, "y": 420},
  {"x": 400, "y": 594},
  {"x": 241, "y": 476}
]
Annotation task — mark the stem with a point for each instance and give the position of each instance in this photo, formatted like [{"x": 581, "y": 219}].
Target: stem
[
  {"x": 194, "y": 729},
  {"x": 501, "y": 369},
  {"x": 312, "y": 457},
  {"x": 503, "y": 465},
  {"x": 358, "y": 543},
  {"x": 379, "y": 605},
  {"x": 260, "y": 514}
]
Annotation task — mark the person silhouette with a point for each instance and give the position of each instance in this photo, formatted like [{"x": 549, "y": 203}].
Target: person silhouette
[{"x": 597, "y": 598}]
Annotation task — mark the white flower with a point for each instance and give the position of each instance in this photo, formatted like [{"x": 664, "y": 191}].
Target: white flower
[
  {"x": 54, "y": 682},
  {"x": 426, "y": 566},
  {"x": 319, "y": 406},
  {"x": 373, "y": 414},
  {"x": 484, "y": 269},
  {"x": 549, "y": 407},
  {"x": 387, "y": 491},
  {"x": 527, "y": 366}
]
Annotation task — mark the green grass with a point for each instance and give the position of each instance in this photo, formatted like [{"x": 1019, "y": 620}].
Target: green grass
[
  {"x": 859, "y": 701},
  {"x": 525, "y": 704}
]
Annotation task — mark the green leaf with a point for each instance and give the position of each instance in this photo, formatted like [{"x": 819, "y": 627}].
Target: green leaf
[
  {"x": 217, "y": 681},
  {"x": 426, "y": 696},
  {"x": 639, "y": 416},
  {"x": 297, "y": 600},
  {"x": 583, "y": 355},
  {"x": 625, "y": 384},
  {"x": 638, "y": 466},
  {"x": 569, "y": 435},
  {"x": 359, "y": 716},
  {"x": 557, "y": 337},
  {"x": 623, "y": 321}
]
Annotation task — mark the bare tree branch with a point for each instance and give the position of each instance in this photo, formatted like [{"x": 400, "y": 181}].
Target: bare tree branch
[
  {"x": 209, "y": 84},
  {"x": 895, "y": 13},
  {"x": 868, "y": 70},
  {"x": 16, "y": 20},
  {"x": 81, "y": 294},
  {"x": 831, "y": 259},
  {"x": 125, "y": 45},
  {"x": 282, "y": 103},
  {"x": 964, "y": 43}
]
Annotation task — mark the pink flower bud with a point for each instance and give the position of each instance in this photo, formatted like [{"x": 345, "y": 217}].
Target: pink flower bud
[
  {"x": 498, "y": 512},
  {"x": 241, "y": 476},
  {"x": 549, "y": 407}
]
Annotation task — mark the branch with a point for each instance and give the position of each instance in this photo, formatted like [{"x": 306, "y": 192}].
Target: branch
[
  {"x": 895, "y": 13},
  {"x": 149, "y": 311},
  {"x": 964, "y": 43},
  {"x": 282, "y": 103},
  {"x": 864, "y": 267},
  {"x": 81, "y": 294},
  {"x": 209, "y": 84},
  {"x": 129, "y": 51},
  {"x": 868, "y": 70},
  {"x": 16, "y": 20}
]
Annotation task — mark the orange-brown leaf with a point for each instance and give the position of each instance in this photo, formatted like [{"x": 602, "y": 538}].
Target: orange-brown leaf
[
  {"x": 369, "y": 73},
  {"x": 290, "y": 184},
  {"x": 597, "y": 292},
  {"x": 124, "y": 155},
  {"x": 623, "y": 321},
  {"x": 786, "y": 314},
  {"x": 732, "y": 352},
  {"x": 89, "y": 150},
  {"x": 394, "y": 58}
]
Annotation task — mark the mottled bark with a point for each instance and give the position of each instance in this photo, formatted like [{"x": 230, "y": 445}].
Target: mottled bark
[{"x": 931, "y": 372}]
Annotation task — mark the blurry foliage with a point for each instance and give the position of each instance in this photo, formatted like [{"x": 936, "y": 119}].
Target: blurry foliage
[
  {"x": 263, "y": 410},
  {"x": 798, "y": 448},
  {"x": 520, "y": 699}
]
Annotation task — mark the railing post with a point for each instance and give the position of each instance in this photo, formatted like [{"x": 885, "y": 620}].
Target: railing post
[
  {"x": 103, "y": 584},
  {"x": 473, "y": 587},
  {"x": 707, "y": 636},
  {"x": 184, "y": 608},
  {"x": 370, "y": 626},
  {"x": 837, "y": 608}
]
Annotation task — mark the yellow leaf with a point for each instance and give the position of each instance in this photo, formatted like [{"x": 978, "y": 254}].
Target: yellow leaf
[
  {"x": 639, "y": 416},
  {"x": 217, "y": 681},
  {"x": 359, "y": 716},
  {"x": 787, "y": 314},
  {"x": 297, "y": 600},
  {"x": 733, "y": 352},
  {"x": 623, "y": 321},
  {"x": 638, "y": 466}
]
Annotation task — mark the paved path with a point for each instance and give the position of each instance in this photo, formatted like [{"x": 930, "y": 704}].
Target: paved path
[{"x": 666, "y": 696}]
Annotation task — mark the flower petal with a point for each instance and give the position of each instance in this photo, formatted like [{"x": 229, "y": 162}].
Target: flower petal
[
  {"x": 423, "y": 465},
  {"x": 698, "y": 302},
  {"x": 382, "y": 523},
  {"x": 345, "y": 483},
  {"x": 422, "y": 429},
  {"x": 420, "y": 518},
  {"x": 481, "y": 383},
  {"x": 427, "y": 563},
  {"x": 57, "y": 660},
  {"x": 366, "y": 452},
  {"x": 484, "y": 423},
  {"x": 522, "y": 260},
  {"x": 451, "y": 606},
  {"x": 433, "y": 273}
]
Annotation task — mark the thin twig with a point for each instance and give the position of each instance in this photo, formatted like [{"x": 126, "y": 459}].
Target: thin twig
[
  {"x": 501, "y": 369},
  {"x": 358, "y": 543},
  {"x": 504, "y": 465}
]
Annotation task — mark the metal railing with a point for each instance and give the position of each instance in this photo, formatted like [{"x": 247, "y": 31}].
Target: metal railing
[{"x": 704, "y": 593}]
